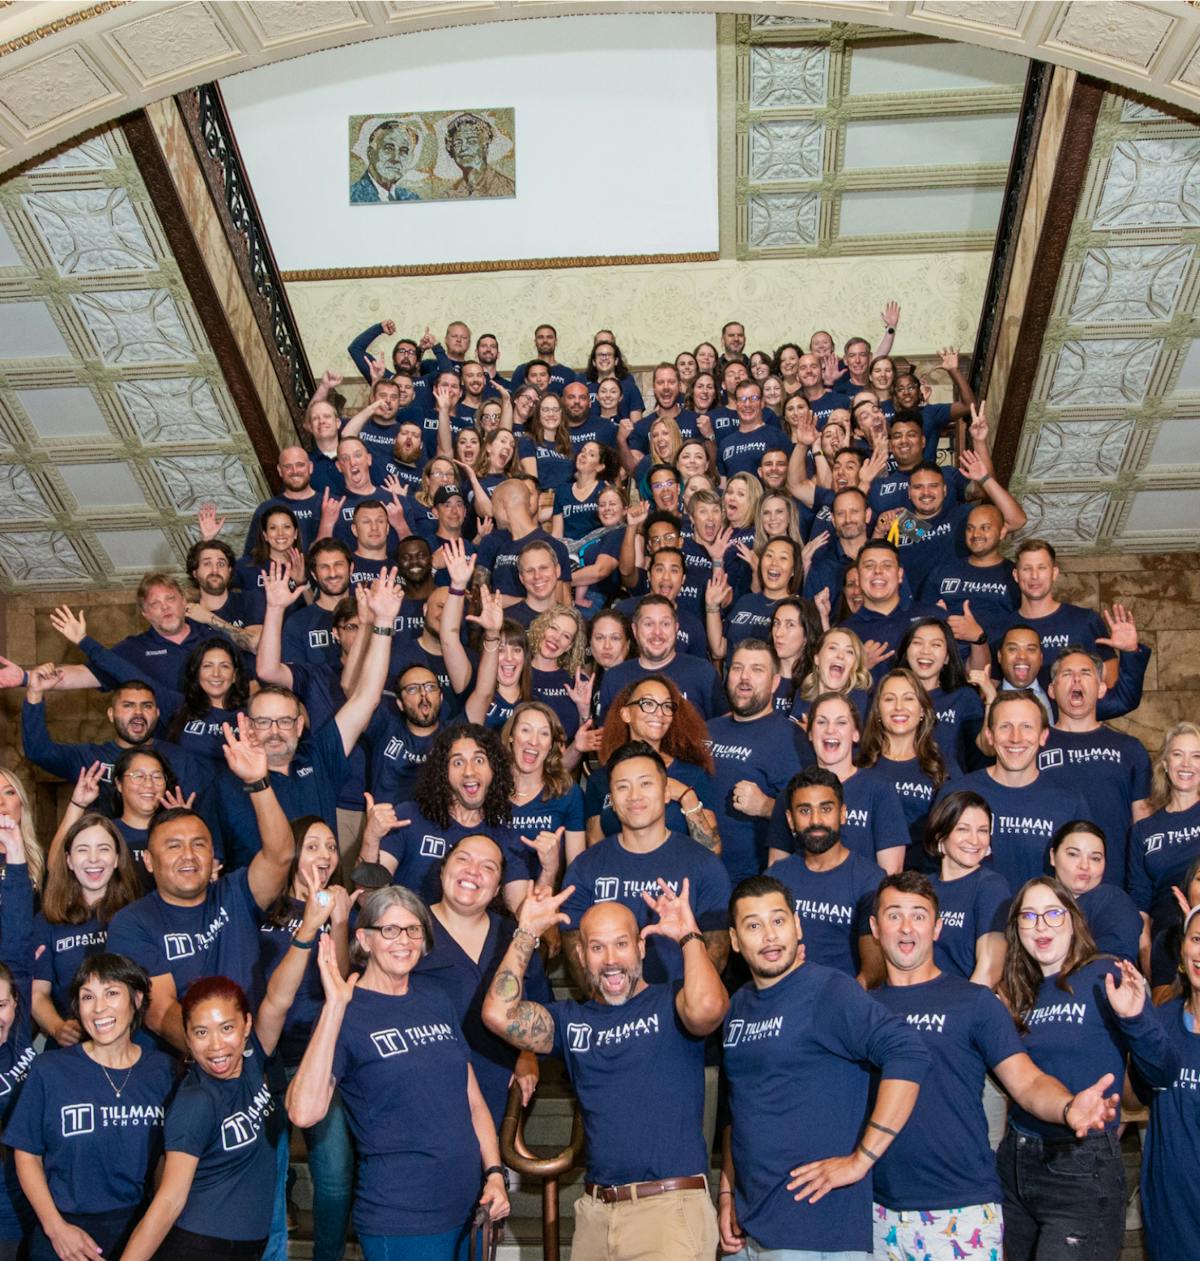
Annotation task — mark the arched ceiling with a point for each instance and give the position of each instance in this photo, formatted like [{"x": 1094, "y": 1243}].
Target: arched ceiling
[{"x": 65, "y": 68}]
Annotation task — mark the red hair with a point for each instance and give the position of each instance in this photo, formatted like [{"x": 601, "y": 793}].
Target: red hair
[
  {"x": 208, "y": 989},
  {"x": 686, "y": 737}
]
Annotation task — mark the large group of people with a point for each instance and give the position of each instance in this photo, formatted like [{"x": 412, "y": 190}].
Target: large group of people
[{"x": 736, "y": 711}]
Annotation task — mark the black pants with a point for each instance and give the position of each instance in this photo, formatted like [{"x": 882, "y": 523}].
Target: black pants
[
  {"x": 111, "y": 1232},
  {"x": 186, "y": 1245},
  {"x": 1062, "y": 1201}
]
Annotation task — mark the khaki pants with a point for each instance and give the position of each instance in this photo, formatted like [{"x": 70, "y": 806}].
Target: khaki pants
[{"x": 675, "y": 1226}]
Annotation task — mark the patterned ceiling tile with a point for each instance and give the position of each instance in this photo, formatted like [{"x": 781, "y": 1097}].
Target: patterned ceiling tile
[
  {"x": 90, "y": 230},
  {"x": 782, "y": 76},
  {"x": 283, "y": 23},
  {"x": 21, "y": 498},
  {"x": 174, "y": 40},
  {"x": 785, "y": 150},
  {"x": 174, "y": 409},
  {"x": 782, "y": 219},
  {"x": 1137, "y": 112},
  {"x": 1131, "y": 284},
  {"x": 1066, "y": 517},
  {"x": 92, "y": 154},
  {"x": 1079, "y": 450},
  {"x": 1103, "y": 372},
  {"x": 1125, "y": 32},
  {"x": 135, "y": 326},
  {"x": 1151, "y": 183},
  {"x": 196, "y": 479},
  {"x": 1000, "y": 15},
  {"x": 771, "y": 22},
  {"x": 40, "y": 557},
  {"x": 50, "y": 90}
]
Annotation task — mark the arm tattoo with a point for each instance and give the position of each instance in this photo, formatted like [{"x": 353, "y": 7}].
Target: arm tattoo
[
  {"x": 700, "y": 831},
  {"x": 529, "y": 1026},
  {"x": 236, "y": 634},
  {"x": 717, "y": 944}
]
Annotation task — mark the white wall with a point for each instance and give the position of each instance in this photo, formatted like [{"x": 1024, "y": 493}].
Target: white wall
[{"x": 616, "y": 130}]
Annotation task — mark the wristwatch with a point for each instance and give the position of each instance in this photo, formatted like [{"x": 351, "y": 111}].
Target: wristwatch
[{"x": 500, "y": 1169}]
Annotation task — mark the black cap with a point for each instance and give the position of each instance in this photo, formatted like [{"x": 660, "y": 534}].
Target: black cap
[{"x": 444, "y": 494}]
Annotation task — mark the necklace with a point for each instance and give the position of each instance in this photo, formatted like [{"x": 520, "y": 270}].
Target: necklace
[{"x": 115, "y": 1089}]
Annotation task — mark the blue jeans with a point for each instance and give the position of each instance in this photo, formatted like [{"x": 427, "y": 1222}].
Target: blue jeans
[
  {"x": 1062, "y": 1201},
  {"x": 331, "y": 1166},
  {"x": 449, "y": 1246},
  {"x": 756, "y": 1252}
]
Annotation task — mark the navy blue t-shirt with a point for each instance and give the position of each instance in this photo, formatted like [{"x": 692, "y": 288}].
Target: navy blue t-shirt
[
  {"x": 641, "y": 1054},
  {"x": 218, "y": 937},
  {"x": 764, "y": 752},
  {"x": 548, "y": 814},
  {"x": 959, "y": 719},
  {"x": 59, "y": 949},
  {"x": 99, "y": 1151},
  {"x": 1113, "y": 919},
  {"x": 693, "y": 676},
  {"x": 597, "y": 800},
  {"x": 608, "y": 872},
  {"x": 308, "y": 637},
  {"x": 306, "y": 510},
  {"x": 969, "y": 907},
  {"x": 1161, "y": 849},
  {"x": 834, "y": 907},
  {"x": 275, "y": 940},
  {"x": 579, "y": 516},
  {"x": 748, "y": 618},
  {"x": 233, "y": 1128},
  {"x": 888, "y": 628},
  {"x": 991, "y": 591},
  {"x": 1023, "y": 821},
  {"x": 874, "y": 818},
  {"x": 797, "y": 1057},
  {"x": 1111, "y": 770},
  {"x": 1068, "y": 624},
  {"x": 741, "y": 452},
  {"x": 498, "y": 554},
  {"x": 941, "y": 1158},
  {"x": 401, "y": 1065},
  {"x": 420, "y": 847}
]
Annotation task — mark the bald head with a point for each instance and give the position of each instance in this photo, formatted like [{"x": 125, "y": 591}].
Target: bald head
[
  {"x": 606, "y": 918},
  {"x": 511, "y": 503},
  {"x": 295, "y": 468},
  {"x": 611, "y": 951}
]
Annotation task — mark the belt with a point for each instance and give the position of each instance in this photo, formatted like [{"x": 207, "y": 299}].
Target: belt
[{"x": 644, "y": 1190}]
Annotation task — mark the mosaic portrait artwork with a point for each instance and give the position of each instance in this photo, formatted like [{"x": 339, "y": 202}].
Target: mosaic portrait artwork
[{"x": 437, "y": 155}]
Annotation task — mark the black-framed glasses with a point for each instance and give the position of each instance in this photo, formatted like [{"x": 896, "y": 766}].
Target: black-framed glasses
[
  {"x": 265, "y": 724},
  {"x": 1052, "y": 917},
  {"x": 389, "y": 932},
  {"x": 648, "y": 705},
  {"x": 420, "y": 689}
]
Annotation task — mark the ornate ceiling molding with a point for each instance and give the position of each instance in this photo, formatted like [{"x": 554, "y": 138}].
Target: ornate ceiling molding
[{"x": 65, "y": 69}]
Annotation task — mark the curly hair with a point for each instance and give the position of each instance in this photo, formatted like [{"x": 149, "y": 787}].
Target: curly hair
[
  {"x": 433, "y": 792},
  {"x": 686, "y": 738},
  {"x": 620, "y": 371},
  {"x": 196, "y": 702},
  {"x": 572, "y": 659},
  {"x": 556, "y": 779},
  {"x": 875, "y": 738}
]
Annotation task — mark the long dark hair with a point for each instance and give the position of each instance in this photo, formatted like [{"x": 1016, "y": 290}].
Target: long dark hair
[
  {"x": 432, "y": 790},
  {"x": 279, "y": 914},
  {"x": 953, "y": 675},
  {"x": 121, "y": 765},
  {"x": 262, "y": 551},
  {"x": 810, "y": 623},
  {"x": 196, "y": 703},
  {"x": 63, "y": 901},
  {"x": 874, "y": 737},
  {"x": 1022, "y": 977},
  {"x": 620, "y": 371}
]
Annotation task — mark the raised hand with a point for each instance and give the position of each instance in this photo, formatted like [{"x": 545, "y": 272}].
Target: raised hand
[
  {"x": 890, "y": 315},
  {"x": 637, "y": 513},
  {"x": 983, "y": 680},
  {"x": 806, "y": 431},
  {"x": 443, "y": 396},
  {"x": 376, "y": 369},
  {"x": 72, "y": 626},
  {"x": 11, "y": 674},
  {"x": 1127, "y": 998},
  {"x": 295, "y": 566},
  {"x": 384, "y": 598},
  {"x": 715, "y": 591},
  {"x": 210, "y": 526},
  {"x": 541, "y": 910},
  {"x": 720, "y": 544},
  {"x": 973, "y": 465},
  {"x": 42, "y": 679},
  {"x": 811, "y": 548},
  {"x": 87, "y": 785},
  {"x": 948, "y": 356},
  {"x": 588, "y": 737},
  {"x": 277, "y": 587},
  {"x": 548, "y": 846},
  {"x": 318, "y": 910},
  {"x": 704, "y": 426},
  {"x": 1122, "y": 633},
  {"x": 978, "y": 428},
  {"x": 330, "y": 380},
  {"x": 427, "y": 341},
  {"x": 339, "y": 990},
  {"x": 830, "y": 369},
  {"x": 746, "y": 553},
  {"x": 674, "y": 911},
  {"x": 963, "y": 626},
  {"x": 331, "y": 509},
  {"x": 581, "y": 693},
  {"x": 491, "y": 611},
  {"x": 824, "y": 603},
  {"x": 459, "y": 565},
  {"x": 175, "y": 800},
  {"x": 246, "y": 759},
  {"x": 876, "y": 652},
  {"x": 389, "y": 328},
  {"x": 11, "y": 844},
  {"x": 381, "y": 819}
]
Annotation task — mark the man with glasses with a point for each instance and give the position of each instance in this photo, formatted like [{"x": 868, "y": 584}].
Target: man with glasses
[
  {"x": 668, "y": 405},
  {"x": 740, "y": 450},
  {"x": 307, "y": 773},
  {"x": 398, "y": 737}
]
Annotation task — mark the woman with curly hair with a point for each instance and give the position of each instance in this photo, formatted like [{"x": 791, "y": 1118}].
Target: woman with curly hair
[
  {"x": 464, "y": 789},
  {"x": 90, "y": 876},
  {"x": 898, "y": 742},
  {"x": 557, "y": 642},
  {"x": 547, "y": 803},
  {"x": 215, "y": 687},
  {"x": 606, "y": 363},
  {"x": 654, "y": 710}
]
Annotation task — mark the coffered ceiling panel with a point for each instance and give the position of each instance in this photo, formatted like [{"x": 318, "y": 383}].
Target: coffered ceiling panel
[
  {"x": 852, "y": 139},
  {"x": 115, "y": 422},
  {"x": 1110, "y": 451}
]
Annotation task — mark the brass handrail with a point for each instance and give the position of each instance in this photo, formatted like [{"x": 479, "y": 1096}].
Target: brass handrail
[{"x": 516, "y": 1155}]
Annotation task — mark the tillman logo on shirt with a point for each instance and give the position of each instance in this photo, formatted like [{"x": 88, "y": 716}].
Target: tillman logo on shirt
[
  {"x": 178, "y": 946},
  {"x": 389, "y": 1042},
  {"x": 607, "y": 888},
  {"x": 579, "y": 1038},
  {"x": 318, "y": 639},
  {"x": 236, "y": 1131},
  {"x": 433, "y": 847},
  {"x": 733, "y": 1035},
  {"x": 1049, "y": 759},
  {"x": 78, "y": 1118}
]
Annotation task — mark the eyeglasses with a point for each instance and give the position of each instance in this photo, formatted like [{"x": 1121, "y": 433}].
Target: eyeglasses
[
  {"x": 265, "y": 724},
  {"x": 389, "y": 932},
  {"x": 1052, "y": 917},
  {"x": 648, "y": 705},
  {"x": 146, "y": 777},
  {"x": 420, "y": 689},
  {"x": 664, "y": 486}
]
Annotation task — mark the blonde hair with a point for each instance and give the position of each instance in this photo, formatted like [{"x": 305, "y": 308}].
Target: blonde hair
[
  {"x": 572, "y": 659},
  {"x": 754, "y": 493},
  {"x": 857, "y": 680},
  {"x": 672, "y": 432},
  {"x": 1160, "y": 785},
  {"x": 35, "y": 858},
  {"x": 761, "y": 537}
]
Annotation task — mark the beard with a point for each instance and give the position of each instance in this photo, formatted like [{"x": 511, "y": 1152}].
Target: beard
[
  {"x": 751, "y": 705},
  {"x": 632, "y": 975},
  {"x": 818, "y": 839}
]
